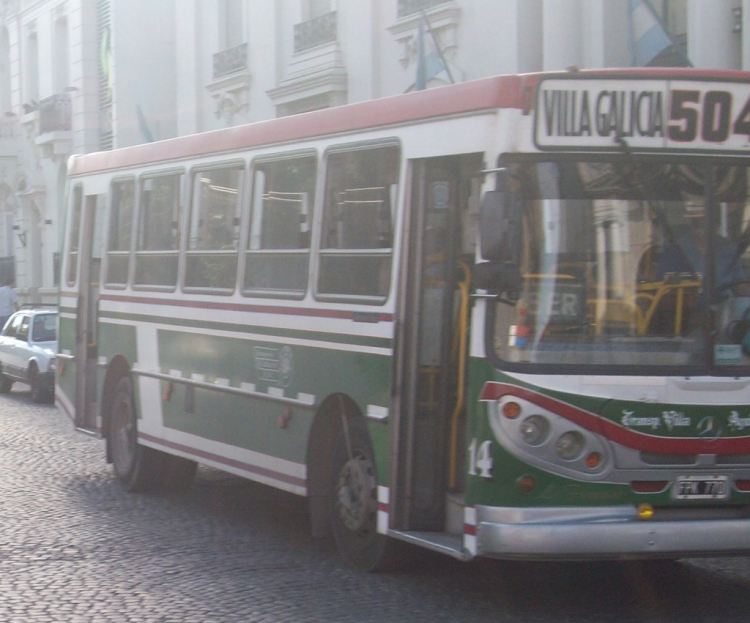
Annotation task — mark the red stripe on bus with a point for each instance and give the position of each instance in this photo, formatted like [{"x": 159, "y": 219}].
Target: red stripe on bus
[
  {"x": 258, "y": 309},
  {"x": 617, "y": 433},
  {"x": 247, "y": 467},
  {"x": 470, "y": 529},
  {"x": 474, "y": 96}
]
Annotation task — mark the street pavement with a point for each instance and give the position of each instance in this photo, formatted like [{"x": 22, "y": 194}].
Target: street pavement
[{"x": 74, "y": 548}]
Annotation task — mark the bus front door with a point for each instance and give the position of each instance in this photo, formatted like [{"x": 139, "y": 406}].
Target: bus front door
[{"x": 433, "y": 345}]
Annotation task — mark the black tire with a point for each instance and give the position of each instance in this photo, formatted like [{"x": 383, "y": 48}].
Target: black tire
[
  {"x": 37, "y": 391},
  {"x": 354, "y": 504},
  {"x": 5, "y": 384},
  {"x": 136, "y": 467}
]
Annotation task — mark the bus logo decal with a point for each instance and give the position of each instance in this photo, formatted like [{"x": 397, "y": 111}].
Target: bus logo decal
[
  {"x": 274, "y": 365},
  {"x": 707, "y": 428},
  {"x": 738, "y": 423}
]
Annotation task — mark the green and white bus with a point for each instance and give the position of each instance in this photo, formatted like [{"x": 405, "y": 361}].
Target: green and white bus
[{"x": 505, "y": 318}]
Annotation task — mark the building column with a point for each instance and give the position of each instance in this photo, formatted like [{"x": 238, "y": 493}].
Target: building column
[
  {"x": 562, "y": 34},
  {"x": 712, "y": 42}
]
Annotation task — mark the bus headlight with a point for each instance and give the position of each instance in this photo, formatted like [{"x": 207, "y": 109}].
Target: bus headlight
[
  {"x": 535, "y": 430},
  {"x": 569, "y": 445}
]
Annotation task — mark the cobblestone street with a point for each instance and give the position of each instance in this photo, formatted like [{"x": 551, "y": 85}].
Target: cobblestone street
[{"x": 75, "y": 548}]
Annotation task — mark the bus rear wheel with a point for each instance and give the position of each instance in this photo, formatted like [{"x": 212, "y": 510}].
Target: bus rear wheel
[
  {"x": 354, "y": 504},
  {"x": 136, "y": 467}
]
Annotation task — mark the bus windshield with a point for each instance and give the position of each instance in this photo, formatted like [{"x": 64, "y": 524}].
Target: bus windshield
[{"x": 628, "y": 262}]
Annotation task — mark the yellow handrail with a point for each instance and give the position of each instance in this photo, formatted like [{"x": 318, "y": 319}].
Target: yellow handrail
[{"x": 461, "y": 334}]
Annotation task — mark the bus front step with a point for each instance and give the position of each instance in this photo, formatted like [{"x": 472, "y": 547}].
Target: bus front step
[{"x": 442, "y": 542}]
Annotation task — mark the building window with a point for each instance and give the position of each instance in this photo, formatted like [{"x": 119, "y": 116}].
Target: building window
[
  {"x": 213, "y": 242},
  {"x": 357, "y": 236},
  {"x": 32, "y": 70},
  {"x": 60, "y": 61},
  {"x": 231, "y": 24},
  {"x": 312, "y": 9},
  {"x": 279, "y": 245},
  {"x": 410, "y": 7}
]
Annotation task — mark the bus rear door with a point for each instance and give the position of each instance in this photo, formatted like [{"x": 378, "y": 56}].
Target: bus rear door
[{"x": 83, "y": 272}]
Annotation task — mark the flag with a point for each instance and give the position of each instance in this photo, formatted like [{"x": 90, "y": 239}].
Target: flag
[
  {"x": 647, "y": 36},
  {"x": 428, "y": 65}
]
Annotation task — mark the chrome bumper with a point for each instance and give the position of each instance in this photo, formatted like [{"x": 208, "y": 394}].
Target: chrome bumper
[{"x": 570, "y": 533}]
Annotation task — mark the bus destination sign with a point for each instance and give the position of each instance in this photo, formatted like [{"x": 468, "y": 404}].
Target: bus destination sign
[{"x": 649, "y": 115}]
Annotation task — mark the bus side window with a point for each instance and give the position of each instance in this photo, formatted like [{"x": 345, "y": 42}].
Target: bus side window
[
  {"x": 158, "y": 239},
  {"x": 357, "y": 236},
  {"x": 74, "y": 234},
  {"x": 122, "y": 194},
  {"x": 278, "y": 250},
  {"x": 214, "y": 229}
]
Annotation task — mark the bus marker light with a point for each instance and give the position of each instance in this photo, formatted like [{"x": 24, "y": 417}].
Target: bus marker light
[
  {"x": 645, "y": 511},
  {"x": 593, "y": 460},
  {"x": 526, "y": 484},
  {"x": 167, "y": 393},
  {"x": 742, "y": 485},
  {"x": 511, "y": 410},
  {"x": 535, "y": 430}
]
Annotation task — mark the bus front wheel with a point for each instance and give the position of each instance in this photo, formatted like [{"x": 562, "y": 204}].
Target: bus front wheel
[
  {"x": 136, "y": 467},
  {"x": 354, "y": 504}
]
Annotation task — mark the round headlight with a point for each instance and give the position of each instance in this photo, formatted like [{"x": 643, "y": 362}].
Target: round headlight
[
  {"x": 534, "y": 430},
  {"x": 570, "y": 445}
]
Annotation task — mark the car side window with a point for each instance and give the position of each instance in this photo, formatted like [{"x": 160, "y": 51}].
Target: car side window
[
  {"x": 44, "y": 328},
  {"x": 23, "y": 329},
  {"x": 12, "y": 327}
]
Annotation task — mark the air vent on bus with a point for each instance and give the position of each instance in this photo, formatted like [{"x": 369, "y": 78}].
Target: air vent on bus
[{"x": 656, "y": 458}]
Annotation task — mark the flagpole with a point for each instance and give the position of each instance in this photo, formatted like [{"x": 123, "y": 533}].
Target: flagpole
[
  {"x": 437, "y": 46},
  {"x": 678, "y": 46}
]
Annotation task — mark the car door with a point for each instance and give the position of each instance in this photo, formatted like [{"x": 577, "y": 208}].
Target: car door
[
  {"x": 8, "y": 342},
  {"x": 19, "y": 357}
]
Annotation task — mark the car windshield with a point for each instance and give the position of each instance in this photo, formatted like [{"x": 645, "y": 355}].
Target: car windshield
[
  {"x": 630, "y": 264},
  {"x": 44, "y": 328}
]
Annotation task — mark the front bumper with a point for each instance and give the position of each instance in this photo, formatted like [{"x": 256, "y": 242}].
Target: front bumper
[{"x": 601, "y": 533}]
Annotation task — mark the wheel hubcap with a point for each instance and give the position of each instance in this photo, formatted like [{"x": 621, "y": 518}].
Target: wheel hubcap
[{"x": 356, "y": 487}]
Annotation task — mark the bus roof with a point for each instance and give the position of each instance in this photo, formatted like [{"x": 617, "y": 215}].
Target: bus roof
[{"x": 511, "y": 91}]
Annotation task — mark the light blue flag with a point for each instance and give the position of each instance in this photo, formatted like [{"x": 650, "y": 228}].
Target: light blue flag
[
  {"x": 647, "y": 37},
  {"x": 428, "y": 65}
]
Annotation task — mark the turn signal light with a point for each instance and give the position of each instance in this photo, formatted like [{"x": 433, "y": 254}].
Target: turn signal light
[
  {"x": 593, "y": 460},
  {"x": 645, "y": 511},
  {"x": 511, "y": 410}
]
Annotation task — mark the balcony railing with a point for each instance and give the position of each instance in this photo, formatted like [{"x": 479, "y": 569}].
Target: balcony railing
[
  {"x": 55, "y": 114},
  {"x": 315, "y": 32},
  {"x": 230, "y": 61},
  {"x": 410, "y": 7}
]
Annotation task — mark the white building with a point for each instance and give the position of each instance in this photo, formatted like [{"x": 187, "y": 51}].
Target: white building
[{"x": 83, "y": 75}]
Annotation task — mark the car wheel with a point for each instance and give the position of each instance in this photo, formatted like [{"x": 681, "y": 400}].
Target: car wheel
[
  {"x": 136, "y": 467},
  {"x": 37, "y": 391},
  {"x": 5, "y": 384}
]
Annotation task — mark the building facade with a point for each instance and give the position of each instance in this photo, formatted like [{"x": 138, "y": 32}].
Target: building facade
[{"x": 83, "y": 75}]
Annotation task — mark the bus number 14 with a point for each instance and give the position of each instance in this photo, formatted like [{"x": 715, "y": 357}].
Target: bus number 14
[{"x": 480, "y": 458}]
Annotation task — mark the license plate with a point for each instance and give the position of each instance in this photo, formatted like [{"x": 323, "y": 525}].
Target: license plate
[{"x": 701, "y": 488}]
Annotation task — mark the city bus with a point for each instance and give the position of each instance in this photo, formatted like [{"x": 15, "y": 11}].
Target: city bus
[{"x": 505, "y": 318}]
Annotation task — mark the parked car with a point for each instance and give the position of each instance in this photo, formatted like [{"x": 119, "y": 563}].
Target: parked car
[{"x": 28, "y": 346}]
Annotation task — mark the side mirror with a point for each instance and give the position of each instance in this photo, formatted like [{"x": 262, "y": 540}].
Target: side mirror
[{"x": 500, "y": 223}]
